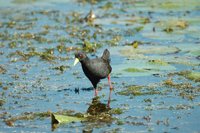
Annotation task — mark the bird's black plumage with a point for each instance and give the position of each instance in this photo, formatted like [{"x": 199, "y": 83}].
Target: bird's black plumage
[{"x": 97, "y": 68}]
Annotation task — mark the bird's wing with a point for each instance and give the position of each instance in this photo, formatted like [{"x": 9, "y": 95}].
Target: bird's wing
[{"x": 99, "y": 68}]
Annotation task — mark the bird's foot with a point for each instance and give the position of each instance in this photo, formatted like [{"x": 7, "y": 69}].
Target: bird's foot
[{"x": 111, "y": 88}]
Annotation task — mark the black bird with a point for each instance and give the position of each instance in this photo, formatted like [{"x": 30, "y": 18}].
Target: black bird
[{"x": 96, "y": 69}]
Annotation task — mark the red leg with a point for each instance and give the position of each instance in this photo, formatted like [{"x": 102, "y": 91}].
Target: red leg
[
  {"x": 95, "y": 92},
  {"x": 109, "y": 82}
]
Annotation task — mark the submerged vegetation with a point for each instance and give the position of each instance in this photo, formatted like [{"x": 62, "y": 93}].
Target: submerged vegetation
[
  {"x": 195, "y": 76},
  {"x": 139, "y": 90},
  {"x": 154, "y": 47},
  {"x": 133, "y": 70}
]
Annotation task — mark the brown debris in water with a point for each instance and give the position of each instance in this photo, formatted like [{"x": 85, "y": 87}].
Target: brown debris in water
[{"x": 97, "y": 107}]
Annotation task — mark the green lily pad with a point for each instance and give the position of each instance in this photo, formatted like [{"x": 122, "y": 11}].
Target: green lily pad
[
  {"x": 141, "y": 64},
  {"x": 131, "y": 52},
  {"x": 133, "y": 70},
  {"x": 141, "y": 68},
  {"x": 58, "y": 119},
  {"x": 158, "y": 62},
  {"x": 173, "y": 24},
  {"x": 183, "y": 61},
  {"x": 179, "y": 4},
  {"x": 195, "y": 52},
  {"x": 23, "y": 1}
]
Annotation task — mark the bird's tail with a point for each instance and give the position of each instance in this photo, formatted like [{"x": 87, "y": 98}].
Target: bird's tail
[{"x": 106, "y": 55}]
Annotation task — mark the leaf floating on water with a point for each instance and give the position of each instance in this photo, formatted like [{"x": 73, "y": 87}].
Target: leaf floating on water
[
  {"x": 173, "y": 25},
  {"x": 63, "y": 119},
  {"x": 58, "y": 119},
  {"x": 158, "y": 62},
  {"x": 133, "y": 70},
  {"x": 23, "y": 1},
  {"x": 195, "y": 52},
  {"x": 131, "y": 52}
]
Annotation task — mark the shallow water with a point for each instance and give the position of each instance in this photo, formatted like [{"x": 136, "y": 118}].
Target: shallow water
[{"x": 38, "y": 42}]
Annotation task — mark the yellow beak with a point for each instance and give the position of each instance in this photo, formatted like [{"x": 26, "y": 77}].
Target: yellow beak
[{"x": 76, "y": 61}]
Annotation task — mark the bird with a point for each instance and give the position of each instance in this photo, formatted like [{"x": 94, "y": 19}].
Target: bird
[{"x": 96, "y": 69}]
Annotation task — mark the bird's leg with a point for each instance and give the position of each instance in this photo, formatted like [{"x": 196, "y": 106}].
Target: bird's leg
[
  {"x": 95, "y": 92},
  {"x": 109, "y": 98},
  {"x": 109, "y": 82}
]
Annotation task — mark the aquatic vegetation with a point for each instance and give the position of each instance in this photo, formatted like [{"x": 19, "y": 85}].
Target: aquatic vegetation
[
  {"x": 26, "y": 116},
  {"x": 23, "y": 1},
  {"x": 96, "y": 107},
  {"x": 185, "y": 90},
  {"x": 195, "y": 52},
  {"x": 62, "y": 119},
  {"x": 2, "y": 70},
  {"x": 2, "y": 102},
  {"x": 107, "y": 6},
  {"x": 135, "y": 44},
  {"x": 192, "y": 75},
  {"x": 12, "y": 44},
  {"x": 116, "y": 111},
  {"x": 132, "y": 90},
  {"x": 158, "y": 62},
  {"x": 61, "y": 68},
  {"x": 134, "y": 70},
  {"x": 90, "y": 17},
  {"x": 61, "y": 48},
  {"x": 168, "y": 30},
  {"x": 154, "y": 48},
  {"x": 88, "y": 47},
  {"x": 131, "y": 52}
]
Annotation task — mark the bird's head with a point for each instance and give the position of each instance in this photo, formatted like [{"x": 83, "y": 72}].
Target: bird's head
[{"x": 80, "y": 56}]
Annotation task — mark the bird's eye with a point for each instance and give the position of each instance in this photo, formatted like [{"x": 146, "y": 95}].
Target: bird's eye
[{"x": 80, "y": 55}]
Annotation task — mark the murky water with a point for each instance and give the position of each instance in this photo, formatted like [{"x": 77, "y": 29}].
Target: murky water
[{"x": 155, "y": 52}]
